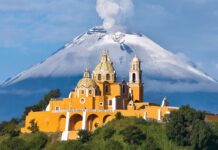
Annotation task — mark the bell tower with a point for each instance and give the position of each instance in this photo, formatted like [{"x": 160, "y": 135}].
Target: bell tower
[{"x": 135, "y": 79}]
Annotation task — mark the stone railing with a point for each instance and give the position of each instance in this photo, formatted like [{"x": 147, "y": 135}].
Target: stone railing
[{"x": 82, "y": 110}]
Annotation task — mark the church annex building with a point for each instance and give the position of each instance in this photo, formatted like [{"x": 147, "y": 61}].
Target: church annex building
[{"x": 95, "y": 101}]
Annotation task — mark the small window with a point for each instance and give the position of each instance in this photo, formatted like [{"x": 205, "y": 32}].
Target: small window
[
  {"x": 123, "y": 89},
  {"x": 106, "y": 88},
  {"x": 133, "y": 77},
  {"x": 110, "y": 102},
  {"x": 96, "y": 92},
  {"x": 82, "y": 92},
  {"x": 134, "y": 67},
  {"x": 99, "y": 77},
  {"x": 90, "y": 92},
  {"x": 57, "y": 108},
  {"x": 82, "y": 100},
  {"x": 107, "y": 76},
  {"x": 101, "y": 103}
]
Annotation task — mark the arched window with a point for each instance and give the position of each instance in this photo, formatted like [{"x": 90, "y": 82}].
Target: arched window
[
  {"x": 99, "y": 77},
  {"x": 82, "y": 91},
  {"x": 107, "y": 76},
  {"x": 133, "y": 66},
  {"x": 133, "y": 77},
  {"x": 123, "y": 89},
  {"x": 90, "y": 92},
  {"x": 106, "y": 88}
]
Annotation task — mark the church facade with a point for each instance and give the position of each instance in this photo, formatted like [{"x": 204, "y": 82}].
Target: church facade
[{"x": 95, "y": 101}]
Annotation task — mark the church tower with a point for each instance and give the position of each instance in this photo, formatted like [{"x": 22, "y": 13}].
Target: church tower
[{"x": 135, "y": 79}]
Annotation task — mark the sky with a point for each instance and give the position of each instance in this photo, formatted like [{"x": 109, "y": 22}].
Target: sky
[{"x": 31, "y": 30}]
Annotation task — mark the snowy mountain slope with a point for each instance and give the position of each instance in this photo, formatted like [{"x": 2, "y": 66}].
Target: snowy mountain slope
[
  {"x": 164, "y": 73},
  {"x": 158, "y": 64}
]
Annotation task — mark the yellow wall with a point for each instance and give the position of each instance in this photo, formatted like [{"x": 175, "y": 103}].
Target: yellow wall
[{"x": 137, "y": 90}]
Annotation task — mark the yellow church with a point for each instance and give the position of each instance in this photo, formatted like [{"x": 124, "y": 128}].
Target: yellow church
[{"x": 95, "y": 101}]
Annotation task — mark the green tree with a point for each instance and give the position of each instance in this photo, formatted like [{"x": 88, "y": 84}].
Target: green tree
[
  {"x": 108, "y": 133},
  {"x": 84, "y": 136},
  {"x": 113, "y": 145},
  {"x": 133, "y": 135},
  {"x": 118, "y": 115},
  {"x": 9, "y": 128},
  {"x": 38, "y": 141},
  {"x": 33, "y": 126},
  {"x": 42, "y": 103},
  {"x": 180, "y": 127},
  {"x": 149, "y": 144},
  {"x": 14, "y": 144},
  {"x": 200, "y": 135}
]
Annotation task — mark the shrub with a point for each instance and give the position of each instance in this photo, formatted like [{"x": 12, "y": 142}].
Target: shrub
[
  {"x": 33, "y": 126},
  {"x": 149, "y": 144},
  {"x": 39, "y": 141},
  {"x": 185, "y": 127},
  {"x": 118, "y": 115},
  {"x": 133, "y": 135},
  {"x": 108, "y": 133},
  {"x": 140, "y": 121},
  {"x": 84, "y": 135},
  {"x": 10, "y": 128},
  {"x": 66, "y": 145},
  {"x": 113, "y": 145},
  {"x": 73, "y": 145},
  {"x": 200, "y": 135},
  {"x": 14, "y": 144}
]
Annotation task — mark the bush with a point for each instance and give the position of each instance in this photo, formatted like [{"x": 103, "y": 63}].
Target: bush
[
  {"x": 149, "y": 144},
  {"x": 10, "y": 128},
  {"x": 113, "y": 145},
  {"x": 33, "y": 126},
  {"x": 73, "y": 145},
  {"x": 133, "y": 135},
  {"x": 187, "y": 127},
  {"x": 39, "y": 141},
  {"x": 67, "y": 145},
  {"x": 108, "y": 133},
  {"x": 14, "y": 144},
  {"x": 118, "y": 115},
  {"x": 200, "y": 135},
  {"x": 84, "y": 135},
  {"x": 140, "y": 121}
]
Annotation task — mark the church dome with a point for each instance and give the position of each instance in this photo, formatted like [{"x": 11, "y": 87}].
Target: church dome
[
  {"x": 86, "y": 81},
  {"x": 105, "y": 66}
]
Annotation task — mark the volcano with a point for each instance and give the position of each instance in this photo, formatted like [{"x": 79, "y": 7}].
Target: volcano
[{"x": 164, "y": 73}]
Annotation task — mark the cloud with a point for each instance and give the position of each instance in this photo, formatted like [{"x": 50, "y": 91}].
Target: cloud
[
  {"x": 114, "y": 12},
  {"x": 216, "y": 65},
  {"x": 27, "y": 22}
]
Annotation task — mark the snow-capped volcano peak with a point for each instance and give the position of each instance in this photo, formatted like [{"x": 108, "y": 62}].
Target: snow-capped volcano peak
[{"x": 159, "y": 65}]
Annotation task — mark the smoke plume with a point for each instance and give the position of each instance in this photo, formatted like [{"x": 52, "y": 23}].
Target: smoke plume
[{"x": 114, "y": 12}]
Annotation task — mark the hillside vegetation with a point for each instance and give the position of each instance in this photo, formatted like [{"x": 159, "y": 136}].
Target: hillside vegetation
[{"x": 186, "y": 130}]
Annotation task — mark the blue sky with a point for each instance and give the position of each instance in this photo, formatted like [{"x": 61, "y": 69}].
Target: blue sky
[{"x": 31, "y": 30}]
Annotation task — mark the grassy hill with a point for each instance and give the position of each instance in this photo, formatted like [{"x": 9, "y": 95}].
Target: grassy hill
[
  {"x": 186, "y": 130},
  {"x": 99, "y": 140}
]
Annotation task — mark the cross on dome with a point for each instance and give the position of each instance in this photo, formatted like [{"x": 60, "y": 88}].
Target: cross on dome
[{"x": 86, "y": 73}]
